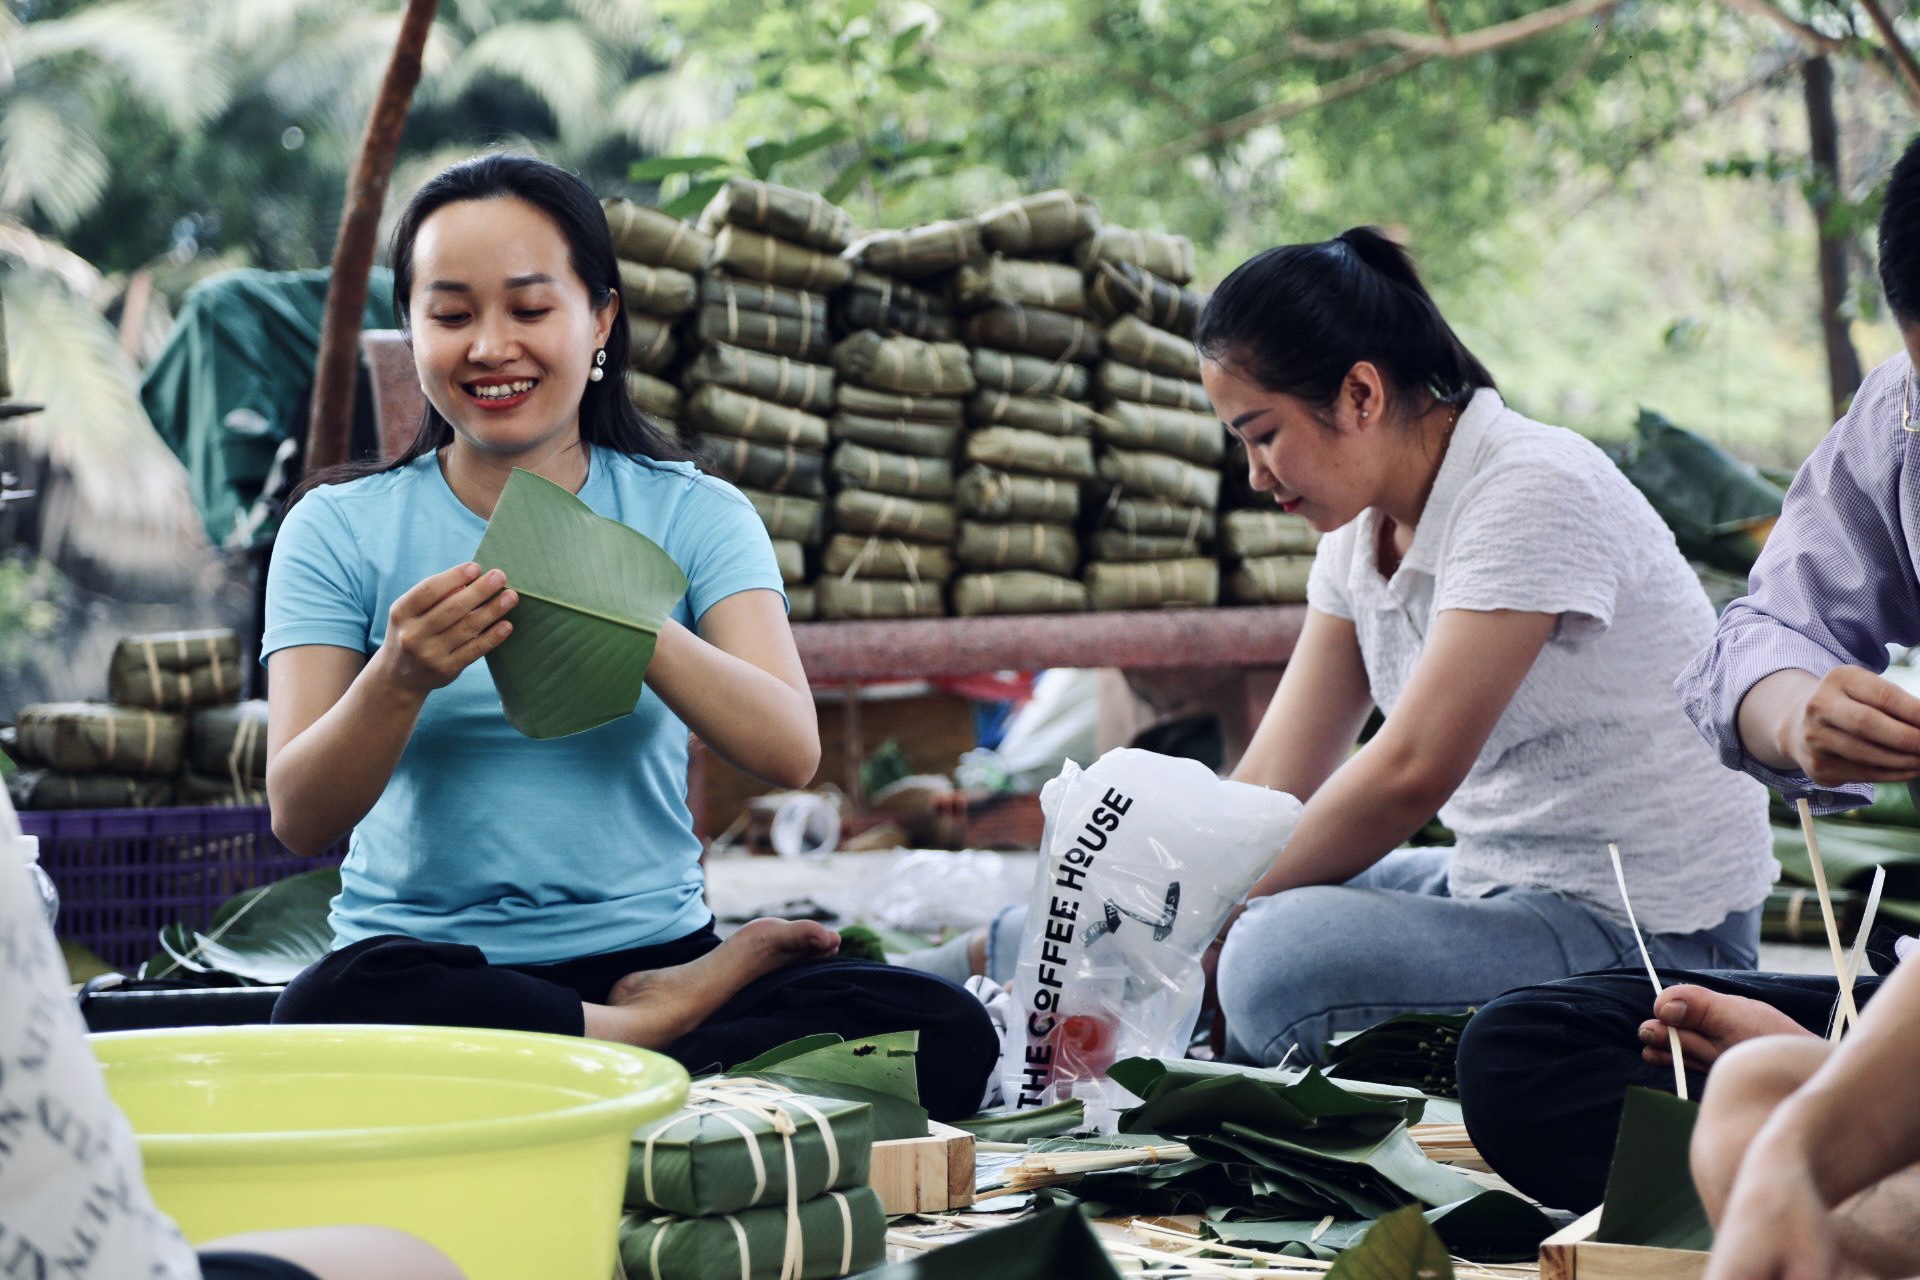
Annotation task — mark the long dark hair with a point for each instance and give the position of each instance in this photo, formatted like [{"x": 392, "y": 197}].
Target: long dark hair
[
  {"x": 607, "y": 417},
  {"x": 1296, "y": 318},
  {"x": 1900, "y": 237}
]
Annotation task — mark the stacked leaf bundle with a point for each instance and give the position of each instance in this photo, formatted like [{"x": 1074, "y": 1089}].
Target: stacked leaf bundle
[
  {"x": 661, "y": 258},
  {"x": 758, "y": 389},
  {"x": 1029, "y": 443},
  {"x": 1413, "y": 1050},
  {"x": 1267, "y": 556},
  {"x": 1150, "y": 536},
  {"x": 752, "y": 1180},
  {"x": 172, "y": 733},
  {"x": 899, "y": 409}
]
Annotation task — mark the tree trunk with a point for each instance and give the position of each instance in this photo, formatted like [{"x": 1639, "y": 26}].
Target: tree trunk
[
  {"x": 330, "y": 422},
  {"x": 1843, "y": 363}
]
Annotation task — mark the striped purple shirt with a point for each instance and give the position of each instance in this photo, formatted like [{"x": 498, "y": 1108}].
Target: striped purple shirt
[{"x": 1834, "y": 586}]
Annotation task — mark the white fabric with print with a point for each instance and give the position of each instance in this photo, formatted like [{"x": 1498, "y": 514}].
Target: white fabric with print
[
  {"x": 72, "y": 1199},
  {"x": 1594, "y": 746}
]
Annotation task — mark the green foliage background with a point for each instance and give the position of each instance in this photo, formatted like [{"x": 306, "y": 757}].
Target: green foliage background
[{"x": 1610, "y": 211}]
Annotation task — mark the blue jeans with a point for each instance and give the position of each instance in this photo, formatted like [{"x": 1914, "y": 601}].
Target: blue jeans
[{"x": 1303, "y": 966}]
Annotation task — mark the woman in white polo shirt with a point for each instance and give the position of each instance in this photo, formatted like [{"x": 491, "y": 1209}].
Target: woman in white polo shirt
[{"x": 1518, "y": 613}]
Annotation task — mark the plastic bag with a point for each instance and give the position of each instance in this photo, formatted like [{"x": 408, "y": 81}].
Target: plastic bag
[{"x": 1142, "y": 858}]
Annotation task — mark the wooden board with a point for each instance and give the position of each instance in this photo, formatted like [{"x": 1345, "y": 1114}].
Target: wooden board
[
  {"x": 1573, "y": 1254},
  {"x": 924, "y": 1175}
]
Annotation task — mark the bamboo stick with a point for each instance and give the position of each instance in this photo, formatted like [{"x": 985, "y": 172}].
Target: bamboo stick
[
  {"x": 1860, "y": 942},
  {"x": 1673, "y": 1033},
  {"x": 1848, "y": 1013}
]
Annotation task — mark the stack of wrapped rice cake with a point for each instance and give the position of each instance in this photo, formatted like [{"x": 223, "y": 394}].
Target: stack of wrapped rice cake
[
  {"x": 172, "y": 733},
  {"x": 661, "y": 258},
  {"x": 752, "y": 1183},
  {"x": 1265, "y": 554},
  {"x": 1151, "y": 530},
  {"x": 758, "y": 388},
  {"x": 901, "y": 401},
  {"x": 1029, "y": 445}
]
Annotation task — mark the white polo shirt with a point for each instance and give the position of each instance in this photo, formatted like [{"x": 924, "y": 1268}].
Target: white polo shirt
[{"x": 1594, "y": 746}]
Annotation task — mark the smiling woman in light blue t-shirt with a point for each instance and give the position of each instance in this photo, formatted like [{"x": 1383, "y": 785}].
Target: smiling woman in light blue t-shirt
[{"x": 492, "y": 879}]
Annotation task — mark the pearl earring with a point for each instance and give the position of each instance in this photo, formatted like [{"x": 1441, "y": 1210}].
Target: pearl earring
[{"x": 596, "y": 373}]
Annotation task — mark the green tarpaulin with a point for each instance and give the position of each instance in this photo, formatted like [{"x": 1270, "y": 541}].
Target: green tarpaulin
[{"x": 234, "y": 380}]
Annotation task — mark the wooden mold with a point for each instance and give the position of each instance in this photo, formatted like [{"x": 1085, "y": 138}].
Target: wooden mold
[
  {"x": 1573, "y": 1254},
  {"x": 924, "y": 1175}
]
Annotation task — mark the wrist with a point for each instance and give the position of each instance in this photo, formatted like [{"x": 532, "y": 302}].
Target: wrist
[{"x": 383, "y": 679}]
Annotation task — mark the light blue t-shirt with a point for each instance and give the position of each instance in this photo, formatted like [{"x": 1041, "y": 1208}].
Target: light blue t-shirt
[{"x": 533, "y": 851}]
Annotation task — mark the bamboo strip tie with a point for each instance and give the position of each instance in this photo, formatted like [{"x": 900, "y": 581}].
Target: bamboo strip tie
[
  {"x": 1848, "y": 1013},
  {"x": 673, "y": 241},
  {"x": 1860, "y": 942},
  {"x": 1673, "y": 1033}
]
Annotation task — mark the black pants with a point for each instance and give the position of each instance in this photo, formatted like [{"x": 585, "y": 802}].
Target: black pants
[
  {"x": 396, "y": 979},
  {"x": 1545, "y": 1070},
  {"x": 227, "y": 1265}
]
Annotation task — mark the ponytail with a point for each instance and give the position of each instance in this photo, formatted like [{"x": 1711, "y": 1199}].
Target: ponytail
[{"x": 1296, "y": 318}]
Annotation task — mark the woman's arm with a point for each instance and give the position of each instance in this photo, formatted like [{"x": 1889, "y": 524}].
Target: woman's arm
[
  {"x": 338, "y": 721},
  {"x": 1316, "y": 713},
  {"x": 738, "y": 683},
  {"x": 1388, "y": 789}
]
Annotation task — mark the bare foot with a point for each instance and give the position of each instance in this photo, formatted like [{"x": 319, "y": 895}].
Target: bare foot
[
  {"x": 1710, "y": 1023},
  {"x": 655, "y": 1007}
]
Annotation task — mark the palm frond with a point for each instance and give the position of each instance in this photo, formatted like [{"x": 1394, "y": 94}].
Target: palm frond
[
  {"x": 21, "y": 248},
  {"x": 562, "y": 62},
  {"x": 628, "y": 23},
  {"x": 50, "y": 158},
  {"x": 66, "y": 356},
  {"x": 337, "y": 72},
  {"x": 247, "y": 26},
  {"x": 657, "y": 111},
  {"x": 146, "y": 48}
]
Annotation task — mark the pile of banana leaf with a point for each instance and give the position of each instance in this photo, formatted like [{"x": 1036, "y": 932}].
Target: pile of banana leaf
[
  {"x": 1719, "y": 508},
  {"x": 1274, "y": 1153}
]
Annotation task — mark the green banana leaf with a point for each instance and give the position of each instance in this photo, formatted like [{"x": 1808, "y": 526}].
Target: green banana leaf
[
  {"x": 1719, "y": 508},
  {"x": 883, "y": 1063},
  {"x": 1271, "y": 1146},
  {"x": 1477, "y": 1228},
  {"x": 1053, "y": 1244},
  {"x": 878, "y": 1070},
  {"x": 1650, "y": 1195},
  {"x": 791, "y": 1049},
  {"x": 1401, "y": 1246},
  {"x": 1178, "y": 1095},
  {"x": 593, "y": 597},
  {"x": 265, "y": 935},
  {"x": 1022, "y": 1126},
  {"x": 1850, "y": 851}
]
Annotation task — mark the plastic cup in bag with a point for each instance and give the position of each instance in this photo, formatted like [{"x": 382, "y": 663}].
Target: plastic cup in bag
[{"x": 1142, "y": 858}]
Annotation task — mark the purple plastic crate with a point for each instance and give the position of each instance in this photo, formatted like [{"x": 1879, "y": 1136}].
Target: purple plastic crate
[{"x": 124, "y": 873}]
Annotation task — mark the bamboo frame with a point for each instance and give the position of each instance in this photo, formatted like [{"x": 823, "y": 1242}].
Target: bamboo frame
[{"x": 1573, "y": 1254}]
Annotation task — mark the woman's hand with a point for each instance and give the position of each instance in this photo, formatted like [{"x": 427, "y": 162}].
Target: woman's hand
[
  {"x": 442, "y": 625},
  {"x": 1847, "y": 726}
]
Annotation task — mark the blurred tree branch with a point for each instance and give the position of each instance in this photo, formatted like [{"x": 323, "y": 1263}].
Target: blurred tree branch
[
  {"x": 1893, "y": 62},
  {"x": 1415, "y": 49},
  {"x": 331, "y": 420}
]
